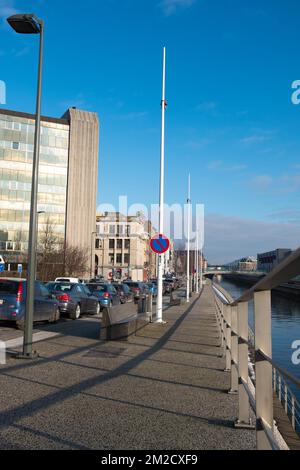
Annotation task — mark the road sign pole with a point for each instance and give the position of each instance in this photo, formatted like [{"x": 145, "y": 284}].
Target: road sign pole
[
  {"x": 188, "y": 243},
  {"x": 159, "y": 317}
]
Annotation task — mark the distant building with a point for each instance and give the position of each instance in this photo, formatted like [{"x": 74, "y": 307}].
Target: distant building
[
  {"x": 122, "y": 247},
  {"x": 68, "y": 174},
  {"x": 180, "y": 262},
  {"x": 244, "y": 264},
  {"x": 268, "y": 261}
]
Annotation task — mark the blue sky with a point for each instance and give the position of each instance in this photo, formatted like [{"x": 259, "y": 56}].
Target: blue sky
[{"x": 230, "y": 120}]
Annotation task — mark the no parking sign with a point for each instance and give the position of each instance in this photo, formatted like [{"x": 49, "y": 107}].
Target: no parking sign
[{"x": 159, "y": 244}]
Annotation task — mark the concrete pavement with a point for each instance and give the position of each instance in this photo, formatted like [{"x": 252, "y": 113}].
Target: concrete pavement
[{"x": 163, "y": 389}]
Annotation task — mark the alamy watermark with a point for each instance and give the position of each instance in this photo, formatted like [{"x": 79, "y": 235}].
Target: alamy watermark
[
  {"x": 175, "y": 219},
  {"x": 296, "y": 353},
  {"x": 2, "y": 92}
]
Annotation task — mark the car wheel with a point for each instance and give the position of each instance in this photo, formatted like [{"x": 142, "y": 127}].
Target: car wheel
[{"x": 76, "y": 315}]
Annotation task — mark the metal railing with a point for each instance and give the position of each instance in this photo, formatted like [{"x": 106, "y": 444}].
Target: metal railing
[
  {"x": 282, "y": 382},
  {"x": 232, "y": 317}
]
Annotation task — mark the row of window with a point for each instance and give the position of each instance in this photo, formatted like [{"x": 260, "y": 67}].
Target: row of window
[
  {"x": 28, "y": 128},
  {"x": 118, "y": 259},
  {"x": 8, "y": 215},
  {"x": 27, "y": 157},
  {"x": 119, "y": 244},
  {"x": 25, "y": 196},
  {"x": 25, "y": 177},
  {"x": 117, "y": 230},
  {"x": 26, "y": 187},
  {"x": 25, "y": 147}
]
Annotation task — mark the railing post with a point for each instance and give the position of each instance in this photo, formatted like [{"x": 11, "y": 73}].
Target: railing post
[
  {"x": 244, "y": 420},
  {"x": 234, "y": 352},
  {"x": 227, "y": 309},
  {"x": 222, "y": 326},
  {"x": 263, "y": 368}
]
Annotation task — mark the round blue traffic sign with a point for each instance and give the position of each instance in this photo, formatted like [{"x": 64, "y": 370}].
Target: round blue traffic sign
[{"x": 160, "y": 244}]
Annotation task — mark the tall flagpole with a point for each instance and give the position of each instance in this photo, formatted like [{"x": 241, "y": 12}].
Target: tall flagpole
[
  {"x": 188, "y": 243},
  {"x": 159, "y": 318},
  {"x": 197, "y": 259}
]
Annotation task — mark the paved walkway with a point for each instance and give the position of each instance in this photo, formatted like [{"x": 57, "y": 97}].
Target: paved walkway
[{"x": 163, "y": 389}]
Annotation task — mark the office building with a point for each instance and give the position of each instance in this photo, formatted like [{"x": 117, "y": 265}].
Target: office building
[
  {"x": 68, "y": 174},
  {"x": 122, "y": 247},
  {"x": 268, "y": 261}
]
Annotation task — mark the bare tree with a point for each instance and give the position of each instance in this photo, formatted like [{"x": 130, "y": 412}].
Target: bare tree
[{"x": 76, "y": 261}]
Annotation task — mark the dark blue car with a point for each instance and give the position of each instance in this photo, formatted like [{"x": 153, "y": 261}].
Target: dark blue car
[
  {"x": 105, "y": 293},
  {"x": 13, "y": 302}
]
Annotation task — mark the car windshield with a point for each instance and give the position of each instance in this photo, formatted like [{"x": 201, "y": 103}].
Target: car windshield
[
  {"x": 98, "y": 287},
  {"x": 60, "y": 287},
  {"x": 133, "y": 284},
  {"x": 9, "y": 287},
  {"x": 125, "y": 288}
]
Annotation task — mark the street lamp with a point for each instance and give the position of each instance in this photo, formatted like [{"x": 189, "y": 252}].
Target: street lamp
[
  {"x": 30, "y": 24},
  {"x": 92, "y": 254}
]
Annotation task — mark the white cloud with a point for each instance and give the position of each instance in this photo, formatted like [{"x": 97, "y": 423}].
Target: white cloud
[
  {"x": 7, "y": 8},
  {"x": 169, "y": 7},
  {"x": 219, "y": 165},
  {"x": 207, "y": 106},
  {"x": 261, "y": 182}
]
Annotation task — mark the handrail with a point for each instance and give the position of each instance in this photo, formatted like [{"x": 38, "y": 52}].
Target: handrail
[{"x": 232, "y": 317}]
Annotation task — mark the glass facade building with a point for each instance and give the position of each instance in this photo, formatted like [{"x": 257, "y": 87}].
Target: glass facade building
[{"x": 16, "y": 154}]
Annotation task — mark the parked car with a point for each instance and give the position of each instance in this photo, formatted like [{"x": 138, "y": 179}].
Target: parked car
[
  {"x": 171, "y": 283},
  {"x": 13, "y": 302},
  {"x": 152, "y": 288},
  {"x": 106, "y": 294},
  {"x": 137, "y": 288},
  {"x": 73, "y": 280},
  {"x": 74, "y": 299},
  {"x": 124, "y": 292},
  {"x": 167, "y": 287},
  {"x": 154, "y": 281}
]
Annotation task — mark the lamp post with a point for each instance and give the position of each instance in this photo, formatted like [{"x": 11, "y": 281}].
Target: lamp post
[
  {"x": 30, "y": 24},
  {"x": 92, "y": 254},
  {"x": 37, "y": 240}
]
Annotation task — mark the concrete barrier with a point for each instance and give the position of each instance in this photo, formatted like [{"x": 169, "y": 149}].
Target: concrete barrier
[{"x": 122, "y": 321}]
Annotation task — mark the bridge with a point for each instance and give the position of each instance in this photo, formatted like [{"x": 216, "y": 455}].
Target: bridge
[{"x": 204, "y": 380}]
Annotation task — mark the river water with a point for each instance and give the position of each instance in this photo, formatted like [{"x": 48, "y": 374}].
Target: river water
[{"x": 285, "y": 327}]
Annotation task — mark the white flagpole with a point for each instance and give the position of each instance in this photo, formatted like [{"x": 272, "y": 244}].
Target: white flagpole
[
  {"x": 201, "y": 262},
  {"x": 197, "y": 259},
  {"x": 159, "y": 310},
  {"x": 188, "y": 243}
]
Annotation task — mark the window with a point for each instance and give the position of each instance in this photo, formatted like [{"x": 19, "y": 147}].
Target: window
[
  {"x": 16, "y": 126},
  {"x": 112, "y": 230},
  {"x": 119, "y": 259},
  {"x": 15, "y": 145},
  {"x": 111, "y": 258},
  {"x": 128, "y": 230},
  {"x": 127, "y": 259},
  {"x": 112, "y": 244},
  {"x": 119, "y": 244},
  {"x": 98, "y": 244},
  {"x": 44, "y": 292},
  {"x": 127, "y": 244},
  {"x": 120, "y": 229}
]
